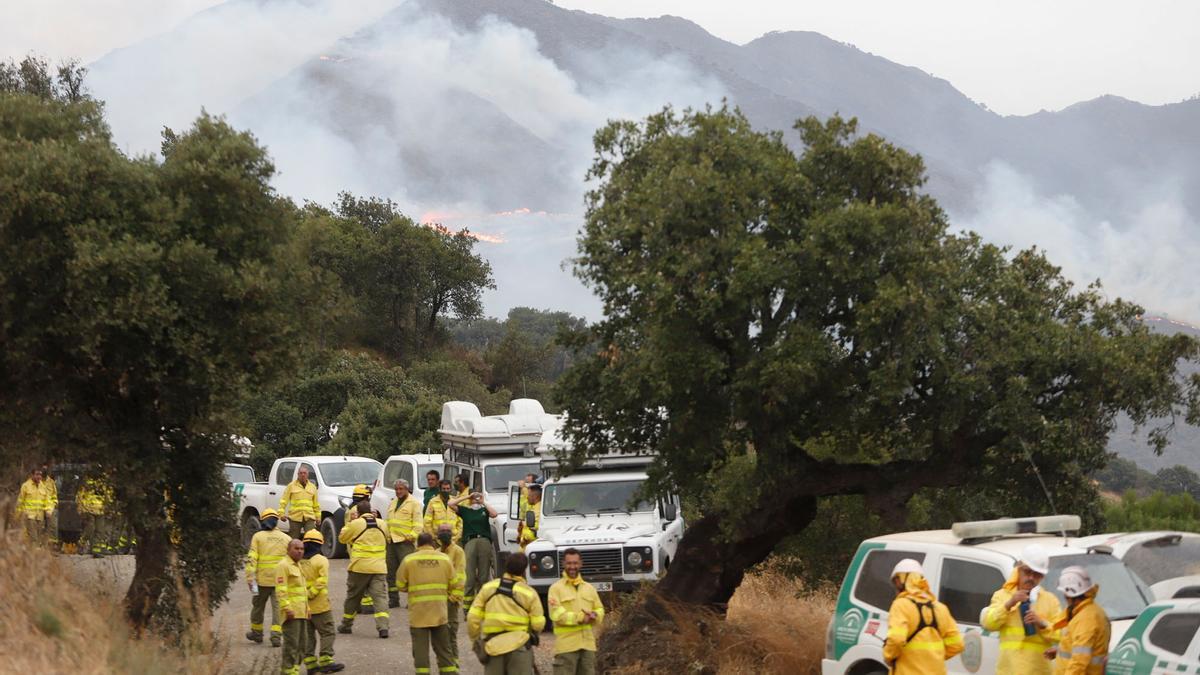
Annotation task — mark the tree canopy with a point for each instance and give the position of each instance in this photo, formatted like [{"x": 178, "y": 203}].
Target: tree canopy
[{"x": 782, "y": 327}]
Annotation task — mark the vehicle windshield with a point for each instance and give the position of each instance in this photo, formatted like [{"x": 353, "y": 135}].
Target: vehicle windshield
[
  {"x": 341, "y": 474},
  {"x": 497, "y": 477},
  {"x": 1122, "y": 594},
  {"x": 585, "y": 498},
  {"x": 239, "y": 474},
  {"x": 1165, "y": 558}
]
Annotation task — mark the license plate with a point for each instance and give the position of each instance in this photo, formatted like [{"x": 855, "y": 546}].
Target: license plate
[{"x": 602, "y": 585}]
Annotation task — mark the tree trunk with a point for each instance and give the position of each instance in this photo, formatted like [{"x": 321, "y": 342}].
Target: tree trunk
[{"x": 149, "y": 577}]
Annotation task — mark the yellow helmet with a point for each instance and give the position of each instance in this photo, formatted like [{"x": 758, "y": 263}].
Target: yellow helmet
[
  {"x": 314, "y": 535},
  {"x": 361, "y": 491},
  {"x": 268, "y": 513}
]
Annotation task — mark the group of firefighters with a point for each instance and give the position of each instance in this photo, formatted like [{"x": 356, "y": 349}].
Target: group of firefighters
[
  {"x": 440, "y": 554},
  {"x": 1037, "y": 635},
  {"x": 102, "y": 530}
]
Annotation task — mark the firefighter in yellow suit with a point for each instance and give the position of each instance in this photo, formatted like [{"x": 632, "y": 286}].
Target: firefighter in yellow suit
[
  {"x": 428, "y": 577},
  {"x": 438, "y": 513},
  {"x": 320, "y": 621},
  {"x": 367, "y": 572},
  {"x": 1024, "y": 635},
  {"x": 299, "y": 504},
  {"x": 922, "y": 634},
  {"x": 576, "y": 611},
  {"x": 292, "y": 591},
  {"x": 268, "y": 548},
  {"x": 525, "y": 533},
  {"x": 1083, "y": 649},
  {"x": 94, "y": 499},
  {"x": 506, "y": 614},
  {"x": 35, "y": 505}
]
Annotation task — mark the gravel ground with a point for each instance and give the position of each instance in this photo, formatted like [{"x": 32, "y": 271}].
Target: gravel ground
[{"x": 363, "y": 651}]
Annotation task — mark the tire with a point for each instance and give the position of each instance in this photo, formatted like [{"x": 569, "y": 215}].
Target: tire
[
  {"x": 249, "y": 527},
  {"x": 332, "y": 548}
]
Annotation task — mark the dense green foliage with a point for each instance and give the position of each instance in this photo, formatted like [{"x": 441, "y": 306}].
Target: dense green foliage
[
  {"x": 808, "y": 325},
  {"x": 1158, "y": 511}
]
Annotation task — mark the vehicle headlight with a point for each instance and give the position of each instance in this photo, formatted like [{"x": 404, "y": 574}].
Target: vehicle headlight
[
  {"x": 639, "y": 559},
  {"x": 543, "y": 564},
  {"x": 634, "y": 558}
]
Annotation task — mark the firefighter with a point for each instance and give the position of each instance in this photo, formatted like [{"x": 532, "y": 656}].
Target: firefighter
[
  {"x": 362, "y": 495},
  {"x": 1021, "y": 613},
  {"x": 1083, "y": 649},
  {"x": 367, "y": 573},
  {"x": 438, "y": 513},
  {"x": 462, "y": 487},
  {"x": 576, "y": 611},
  {"x": 404, "y": 524},
  {"x": 93, "y": 500},
  {"x": 292, "y": 592},
  {"x": 507, "y": 617},
  {"x": 298, "y": 504},
  {"x": 320, "y": 622},
  {"x": 35, "y": 505},
  {"x": 268, "y": 548},
  {"x": 428, "y": 577},
  {"x": 433, "y": 482},
  {"x": 922, "y": 634},
  {"x": 526, "y": 533},
  {"x": 458, "y": 560},
  {"x": 52, "y": 514},
  {"x": 477, "y": 542}
]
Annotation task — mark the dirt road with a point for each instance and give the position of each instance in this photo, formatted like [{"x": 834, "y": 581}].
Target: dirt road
[{"x": 363, "y": 652}]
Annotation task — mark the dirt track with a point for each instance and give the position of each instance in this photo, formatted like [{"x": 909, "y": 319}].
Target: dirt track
[{"x": 362, "y": 652}]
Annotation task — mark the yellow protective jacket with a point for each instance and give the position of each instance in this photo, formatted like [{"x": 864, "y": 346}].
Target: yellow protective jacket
[
  {"x": 316, "y": 580},
  {"x": 299, "y": 502},
  {"x": 404, "y": 520},
  {"x": 267, "y": 549},
  {"x": 528, "y": 535},
  {"x": 291, "y": 589},
  {"x": 458, "y": 560},
  {"x": 914, "y": 646},
  {"x": 504, "y": 622},
  {"x": 568, "y": 599},
  {"x": 35, "y": 501},
  {"x": 1083, "y": 649},
  {"x": 427, "y": 575},
  {"x": 1022, "y": 654},
  {"x": 438, "y": 514},
  {"x": 368, "y": 545},
  {"x": 93, "y": 497}
]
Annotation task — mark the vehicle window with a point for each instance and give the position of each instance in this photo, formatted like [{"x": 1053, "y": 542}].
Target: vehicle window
[
  {"x": 967, "y": 587},
  {"x": 424, "y": 469},
  {"x": 476, "y": 481},
  {"x": 1187, "y": 592},
  {"x": 1123, "y": 594},
  {"x": 496, "y": 478},
  {"x": 874, "y": 584},
  {"x": 1174, "y": 632},
  {"x": 584, "y": 498},
  {"x": 284, "y": 472},
  {"x": 341, "y": 474},
  {"x": 1165, "y": 558},
  {"x": 239, "y": 474},
  {"x": 398, "y": 469}
]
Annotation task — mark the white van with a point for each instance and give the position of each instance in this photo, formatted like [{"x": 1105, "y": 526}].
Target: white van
[{"x": 965, "y": 565}]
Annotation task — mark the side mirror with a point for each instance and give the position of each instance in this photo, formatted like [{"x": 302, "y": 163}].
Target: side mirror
[
  {"x": 530, "y": 519},
  {"x": 670, "y": 512}
]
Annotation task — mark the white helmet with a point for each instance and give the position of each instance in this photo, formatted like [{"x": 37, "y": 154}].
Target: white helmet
[
  {"x": 1074, "y": 581},
  {"x": 907, "y": 566},
  {"x": 1035, "y": 558}
]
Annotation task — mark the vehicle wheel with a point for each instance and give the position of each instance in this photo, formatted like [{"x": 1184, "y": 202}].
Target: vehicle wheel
[
  {"x": 332, "y": 548},
  {"x": 249, "y": 527},
  {"x": 868, "y": 668}
]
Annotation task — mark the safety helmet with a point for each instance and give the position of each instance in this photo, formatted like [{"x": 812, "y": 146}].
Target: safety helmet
[
  {"x": 907, "y": 566},
  {"x": 268, "y": 513},
  {"x": 1035, "y": 558},
  {"x": 314, "y": 535},
  {"x": 361, "y": 491},
  {"x": 1074, "y": 581}
]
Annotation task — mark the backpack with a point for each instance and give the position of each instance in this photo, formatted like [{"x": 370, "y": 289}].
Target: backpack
[
  {"x": 922, "y": 624},
  {"x": 506, "y": 589}
]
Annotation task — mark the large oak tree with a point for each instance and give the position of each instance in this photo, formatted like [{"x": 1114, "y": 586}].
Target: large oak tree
[{"x": 782, "y": 327}]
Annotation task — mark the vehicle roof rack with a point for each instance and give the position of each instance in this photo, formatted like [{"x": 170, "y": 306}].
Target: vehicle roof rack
[{"x": 464, "y": 429}]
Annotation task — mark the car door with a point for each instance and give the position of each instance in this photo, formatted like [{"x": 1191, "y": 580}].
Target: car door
[
  {"x": 966, "y": 586},
  {"x": 1173, "y": 642}
]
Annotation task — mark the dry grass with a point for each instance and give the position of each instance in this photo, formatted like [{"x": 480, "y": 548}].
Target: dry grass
[
  {"x": 52, "y": 623},
  {"x": 774, "y": 624}
]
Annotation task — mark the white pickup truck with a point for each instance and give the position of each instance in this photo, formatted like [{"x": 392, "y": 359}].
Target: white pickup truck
[
  {"x": 623, "y": 541},
  {"x": 335, "y": 476}
]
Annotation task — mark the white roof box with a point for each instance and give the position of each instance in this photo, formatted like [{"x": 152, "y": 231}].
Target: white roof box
[{"x": 518, "y": 432}]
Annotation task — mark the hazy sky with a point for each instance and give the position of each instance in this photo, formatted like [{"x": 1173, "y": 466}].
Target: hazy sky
[{"x": 1015, "y": 56}]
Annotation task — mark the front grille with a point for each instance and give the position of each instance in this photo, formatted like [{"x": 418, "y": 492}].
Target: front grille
[{"x": 598, "y": 563}]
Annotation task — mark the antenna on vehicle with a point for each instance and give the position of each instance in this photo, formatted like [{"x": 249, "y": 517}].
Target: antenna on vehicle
[{"x": 1045, "y": 490}]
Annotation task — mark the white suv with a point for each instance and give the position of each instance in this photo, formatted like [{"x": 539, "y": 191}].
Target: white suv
[{"x": 964, "y": 566}]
